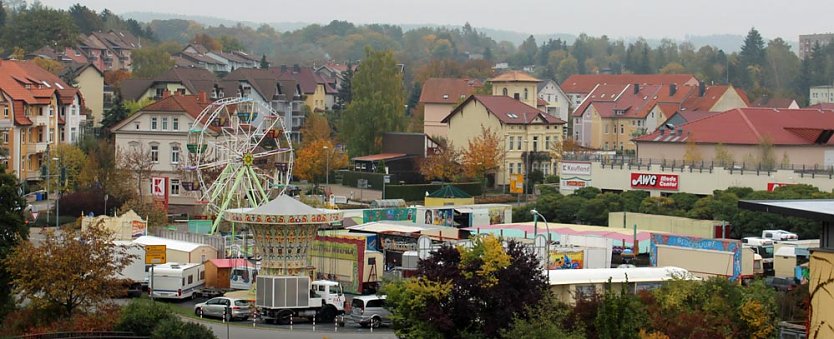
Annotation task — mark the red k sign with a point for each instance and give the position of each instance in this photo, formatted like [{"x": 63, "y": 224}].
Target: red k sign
[{"x": 654, "y": 181}]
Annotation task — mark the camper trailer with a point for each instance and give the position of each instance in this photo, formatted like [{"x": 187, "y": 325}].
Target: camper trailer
[{"x": 177, "y": 281}]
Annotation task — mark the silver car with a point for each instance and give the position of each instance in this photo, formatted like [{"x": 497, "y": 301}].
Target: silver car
[
  {"x": 220, "y": 307},
  {"x": 370, "y": 311}
]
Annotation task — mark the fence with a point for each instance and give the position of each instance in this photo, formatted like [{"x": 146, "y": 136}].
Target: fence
[
  {"x": 79, "y": 335},
  {"x": 215, "y": 241}
]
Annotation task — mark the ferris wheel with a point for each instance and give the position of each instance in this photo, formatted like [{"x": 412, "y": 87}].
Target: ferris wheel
[{"x": 239, "y": 155}]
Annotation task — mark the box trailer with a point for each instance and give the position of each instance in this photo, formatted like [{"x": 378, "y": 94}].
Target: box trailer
[
  {"x": 704, "y": 257},
  {"x": 132, "y": 277},
  {"x": 278, "y": 298}
]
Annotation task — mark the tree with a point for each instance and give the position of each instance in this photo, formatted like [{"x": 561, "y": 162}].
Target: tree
[
  {"x": 230, "y": 44},
  {"x": 315, "y": 127},
  {"x": 138, "y": 162},
  {"x": 207, "y": 41},
  {"x": 620, "y": 315},
  {"x": 85, "y": 19},
  {"x": 52, "y": 66},
  {"x": 483, "y": 154},
  {"x": 673, "y": 68},
  {"x": 177, "y": 328},
  {"x": 723, "y": 156},
  {"x": 264, "y": 63},
  {"x": 343, "y": 98},
  {"x": 377, "y": 103},
  {"x": 146, "y": 208},
  {"x": 545, "y": 321},
  {"x": 443, "y": 165},
  {"x": 101, "y": 171},
  {"x": 64, "y": 173},
  {"x": 752, "y": 58},
  {"x": 473, "y": 292},
  {"x": 141, "y": 316},
  {"x": 312, "y": 160},
  {"x": 767, "y": 158},
  {"x": 114, "y": 115},
  {"x": 38, "y": 26},
  {"x": 68, "y": 272},
  {"x": 13, "y": 230},
  {"x": 692, "y": 153},
  {"x": 567, "y": 67},
  {"x": 149, "y": 62}
]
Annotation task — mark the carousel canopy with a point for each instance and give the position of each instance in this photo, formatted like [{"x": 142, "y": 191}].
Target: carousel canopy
[{"x": 283, "y": 210}]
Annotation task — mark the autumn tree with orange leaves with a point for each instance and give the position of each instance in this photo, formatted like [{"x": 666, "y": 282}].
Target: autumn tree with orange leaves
[
  {"x": 484, "y": 154},
  {"x": 317, "y": 146},
  {"x": 443, "y": 165}
]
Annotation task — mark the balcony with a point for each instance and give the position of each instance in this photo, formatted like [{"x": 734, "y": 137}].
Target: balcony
[
  {"x": 5, "y": 124},
  {"x": 40, "y": 120},
  {"x": 34, "y": 148}
]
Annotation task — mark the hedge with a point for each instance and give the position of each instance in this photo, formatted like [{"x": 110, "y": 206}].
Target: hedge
[
  {"x": 418, "y": 192},
  {"x": 350, "y": 178}
]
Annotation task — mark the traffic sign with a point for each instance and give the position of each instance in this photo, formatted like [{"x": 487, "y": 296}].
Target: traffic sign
[
  {"x": 386, "y": 179},
  {"x": 516, "y": 183},
  {"x": 155, "y": 254}
]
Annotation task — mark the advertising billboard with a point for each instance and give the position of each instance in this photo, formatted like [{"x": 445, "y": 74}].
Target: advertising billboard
[
  {"x": 575, "y": 168},
  {"x": 574, "y": 183},
  {"x": 654, "y": 181},
  {"x": 392, "y": 214}
]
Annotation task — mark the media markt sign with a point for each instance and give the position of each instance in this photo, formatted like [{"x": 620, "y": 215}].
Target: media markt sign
[{"x": 574, "y": 183}]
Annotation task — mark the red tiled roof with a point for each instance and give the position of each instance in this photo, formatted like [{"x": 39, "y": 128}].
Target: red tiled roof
[
  {"x": 585, "y": 83},
  {"x": 178, "y": 103},
  {"x": 381, "y": 156},
  {"x": 706, "y": 102},
  {"x": 15, "y": 76},
  {"x": 231, "y": 263},
  {"x": 691, "y": 116},
  {"x": 541, "y": 102},
  {"x": 447, "y": 90},
  {"x": 508, "y": 110},
  {"x": 600, "y": 93},
  {"x": 773, "y": 102},
  {"x": 306, "y": 78},
  {"x": 516, "y": 76},
  {"x": 823, "y": 105},
  {"x": 749, "y": 126}
]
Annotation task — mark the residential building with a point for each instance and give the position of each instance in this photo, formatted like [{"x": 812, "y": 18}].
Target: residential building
[
  {"x": 38, "y": 110},
  {"x": 524, "y": 129},
  {"x": 90, "y": 82},
  {"x": 518, "y": 85},
  {"x": 821, "y": 94},
  {"x": 183, "y": 81},
  {"x": 807, "y": 42},
  {"x": 216, "y": 61},
  {"x": 282, "y": 95},
  {"x": 799, "y": 137},
  {"x": 775, "y": 103},
  {"x": 577, "y": 86},
  {"x": 612, "y": 114},
  {"x": 556, "y": 101},
  {"x": 401, "y": 154},
  {"x": 439, "y": 96},
  {"x": 317, "y": 92},
  {"x": 113, "y": 49},
  {"x": 161, "y": 130}
]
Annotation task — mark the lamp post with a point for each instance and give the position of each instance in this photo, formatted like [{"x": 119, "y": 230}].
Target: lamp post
[
  {"x": 536, "y": 214},
  {"x": 505, "y": 172},
  {"x": 527, "y": 168},
  {"x": 58, "y": 191},
  {"x": 327, "y": 171}
]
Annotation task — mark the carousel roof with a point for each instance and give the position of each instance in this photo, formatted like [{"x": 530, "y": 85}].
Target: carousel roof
[
  {"x": 283, "y": 210},
  {"x": 284, "y": 205}
]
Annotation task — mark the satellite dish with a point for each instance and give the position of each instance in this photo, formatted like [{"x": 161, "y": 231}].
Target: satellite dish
[{"x": 423, "y": 247}]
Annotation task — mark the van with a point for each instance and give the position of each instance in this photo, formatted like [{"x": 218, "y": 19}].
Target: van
[{"x": 370, "y": 311}]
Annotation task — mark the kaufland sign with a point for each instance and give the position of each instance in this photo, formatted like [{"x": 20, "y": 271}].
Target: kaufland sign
[
  {"x": 654, "y": 181},
  {"x": 575, "y": 168}
]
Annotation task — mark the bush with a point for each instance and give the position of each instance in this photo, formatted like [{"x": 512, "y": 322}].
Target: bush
[
  {"x": 141, "y": 315},
  {"x": 551, "y": 179},
  {"x": 418, "y": 192},
  {"x": 176, "y": 328},
  {"x": 86, "y": 201}
]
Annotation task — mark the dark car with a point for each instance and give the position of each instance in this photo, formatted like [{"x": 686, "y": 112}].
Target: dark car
[{"x": 780, "y": 284}]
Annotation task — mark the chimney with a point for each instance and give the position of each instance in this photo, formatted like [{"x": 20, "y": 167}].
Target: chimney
[
  {"x": 296, "y": 68},
  {"x": 673, "y": 89},
  {"x": 702, "y": 88},
  {"x": 202, "y": 97},
  {"x": 636, "y": 88},
  {"x": 662, "y": 131},
  {"x": 166, "y": 93},
  {"x": 283, "y": 68}
]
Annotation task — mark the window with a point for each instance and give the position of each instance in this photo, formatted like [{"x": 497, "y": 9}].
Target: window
[
  {"x": 606, "y": 146},
  {"x": 136, "y": 124},
  {"x": 585, "y": 291},
  {"x": 72, "y": 134},
  {"x": 525, "y": 94},
  {"x": 622, "y": 130},
  {"x": 155, "y": 153},
  {"x": 504, "y": 91},
  {"x": 518, "y": 147},
  {"x": 160, "y": 92},
  {"x": 546, "y": 143},
  {"x": 606, "y": 128},
  {"x": 165, "y": 123},
  {"x": 175, "y": 186},
  {"x": 546, "y": 168},
  {"x": 190, "y": 279},
  {"x": 518, "y": 166},
  {"x": 511, "y": 142},
  {"x": 176, "y": 124},
  {"x": 535, "y": 144},
  {"x": 175, "y": 154},
  {"x": 5, "y": 137},
  {"x": 203, "y": 273},
  {"x": 510, "y": 168},
  {"x": 6, "y": 111},
  {"x": 153, "y": 123}
]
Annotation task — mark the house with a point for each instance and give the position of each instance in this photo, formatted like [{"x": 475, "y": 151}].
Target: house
[
  {"x": 334, "y": 73},
  {"x": 401, "y": 156},
  {"x": 578, "y": 86},
  {"x": 518, "y": 85},
  {"x": 680, "y": 118},
  {"x": 799, "y": 137},
  {"x": 821, "y": 95},
  {"x": 216, "y": 61},
  {"x": 439, "y": 96},
  {"x": 281, "y": 94},
  {"x": 556, "y": 101},
  {"x": 612, "y": 114},
  {"x": 319, "y": 96},
  {"x": 39, "y": 110},
  {"x": 808, "y": 41},
  {"x": 161, "y": 131},
  {"x": 118, "y": 46},
  {"x": 90, "y": 82},
  {"x": 524, "y": 129},
  {"x": 775, "y": 103},
  {"x": 183, "y": 81}
]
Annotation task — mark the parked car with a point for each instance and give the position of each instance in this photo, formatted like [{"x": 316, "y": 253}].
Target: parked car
[
  {"x": 370, "y": 311},
  {"x": 217, "y": 307},
  {"x": 780, "y": 284}
]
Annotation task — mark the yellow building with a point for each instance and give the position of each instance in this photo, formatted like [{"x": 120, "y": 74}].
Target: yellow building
[
  {"x": 90, "y": 81},
  {"x": 524, "y": 129},
  {"x": 518, "y": 85}
]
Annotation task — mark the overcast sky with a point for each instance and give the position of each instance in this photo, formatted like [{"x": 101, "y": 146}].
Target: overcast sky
[{"x": 616, "y": 18}]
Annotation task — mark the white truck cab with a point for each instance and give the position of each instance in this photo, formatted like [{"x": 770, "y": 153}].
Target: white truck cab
[
  {"x": 779, "y": 235},
  {"x": 331, "y": 292}
]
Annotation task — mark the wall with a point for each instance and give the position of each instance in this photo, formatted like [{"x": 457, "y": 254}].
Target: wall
[
  {"x": 728, "y": 101},
  {"x": 714, "y": 256},
  {"x": 664, "y": 223},
  {"x": 91, "y": 84},
  {"x": 808, "y": 155},
  {"x": 432, "y": 115},
  {"x": 822, "y": 300},
  {"x": 697, "y": 182},
  {"x": 517, "y": 87}
]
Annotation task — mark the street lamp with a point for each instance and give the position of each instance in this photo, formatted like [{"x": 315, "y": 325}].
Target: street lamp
[
  {"x": 506, "y": 171},
  {"x": 327, "y": 170},
  {"x": 536, "y": 216},
  {"x": 58, "y": 195}
]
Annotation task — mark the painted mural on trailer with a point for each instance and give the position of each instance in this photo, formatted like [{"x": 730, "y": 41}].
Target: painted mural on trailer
[
  {"x": 566, "y": 260},
  {"x": 721, "y": 245},
  {"x": 389, "y": 214}
]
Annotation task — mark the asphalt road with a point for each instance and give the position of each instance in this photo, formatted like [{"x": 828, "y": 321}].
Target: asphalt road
[{"x": 302, "y": 328}]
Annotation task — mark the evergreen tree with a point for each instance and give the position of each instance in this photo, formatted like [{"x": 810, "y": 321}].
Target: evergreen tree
[
  {"x": 39, "y": 26},
  {"x": 377, "y": 103},
  {"x": 2, "y": 15},
  {"x": 264, "y": 63},
  {"x": 86, "y": 19},
  {"x": 752, "y": 58},
  {"x": 117, "y": 113},
  {"x": 343, "y": 98}
]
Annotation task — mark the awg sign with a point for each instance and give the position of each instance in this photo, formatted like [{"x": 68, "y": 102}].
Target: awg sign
[{"x": 654, "y": 181}]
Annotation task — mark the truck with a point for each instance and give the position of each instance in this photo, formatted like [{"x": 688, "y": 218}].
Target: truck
[
  {"x": 177, "y": 281},
  {"x": 764, "y": 248},
  {"x": 280, "y": 298},
  {"x": 779, "y": 235},
  {"x": 752, "y": 264},
  {"x": 132, "y": 278},
  {"x": 705, "y": 257}
]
